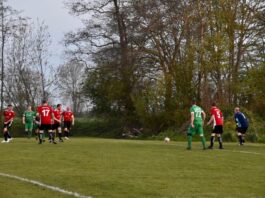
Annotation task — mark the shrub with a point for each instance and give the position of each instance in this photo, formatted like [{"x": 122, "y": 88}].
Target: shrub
[{"x": 251, "y": 137}]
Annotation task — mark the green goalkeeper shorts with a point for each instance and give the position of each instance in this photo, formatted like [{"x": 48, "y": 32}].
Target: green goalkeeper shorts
[
  {"x": 198, "y": 129},
  {"x": 29, "y": 126}
]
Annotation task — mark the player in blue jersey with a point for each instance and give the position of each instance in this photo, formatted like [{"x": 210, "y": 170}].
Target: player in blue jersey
[{"x": 241, "y": 125}]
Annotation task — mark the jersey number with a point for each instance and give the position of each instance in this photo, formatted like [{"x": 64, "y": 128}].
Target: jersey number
[
  {"x": 198, "y": 114},
  {"x": 45, "y": 112},
  {"x": 218, "y": 114}
]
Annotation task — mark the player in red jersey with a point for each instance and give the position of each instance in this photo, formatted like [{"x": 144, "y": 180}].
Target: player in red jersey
[
  {"x": 46, "y": 117},
  {"x": 69, "y": 120},
  {"x": 217, "y": 120},
  {"x": 9, "y": 115},
  {"x": 57, "y": 121}
]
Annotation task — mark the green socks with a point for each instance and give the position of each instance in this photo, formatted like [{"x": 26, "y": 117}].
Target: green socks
[
  {"x": 189, "y": 141},
  {"x": 203, "y": 142}
]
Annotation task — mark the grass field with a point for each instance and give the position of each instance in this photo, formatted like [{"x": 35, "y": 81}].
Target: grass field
[{"x": 103, "y": 168}]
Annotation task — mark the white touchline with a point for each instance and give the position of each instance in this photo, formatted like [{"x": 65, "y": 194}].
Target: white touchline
[{"x": 54, "y": 188}]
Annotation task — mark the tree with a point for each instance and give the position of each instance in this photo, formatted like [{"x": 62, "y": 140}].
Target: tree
[
  {"x": 23, "y": 81},
  {"x": 70, "y": 79},
  {"x": 7, "y": 21},
  {"x": 109, "y": 39},
  {"x": 254, "y": 89},
  {"x": 150, "y": 58},
  {"x": 41, "y": 53},
  {"x": 25, "y": 47}
]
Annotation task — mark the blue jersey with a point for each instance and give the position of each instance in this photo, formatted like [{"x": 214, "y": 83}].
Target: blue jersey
[{"x": 241, "y": 120}]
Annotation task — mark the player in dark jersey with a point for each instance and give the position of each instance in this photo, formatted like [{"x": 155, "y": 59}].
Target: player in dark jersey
[
  {"x": 57, "y": 121},
  {"x": 9, "y": 115},
  {"x": 36, "y": 127},
  {"x": 46, "y": 116},
  {"x": 241, "y": 125},
  {"x": 69, "y": 120},
  {"x": 217, "y": 120}
]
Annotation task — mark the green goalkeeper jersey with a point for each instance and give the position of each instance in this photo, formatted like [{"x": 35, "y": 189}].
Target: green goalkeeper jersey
[
  {"x": 29, "y": 116},
  {"x": 197, "y": 113}
]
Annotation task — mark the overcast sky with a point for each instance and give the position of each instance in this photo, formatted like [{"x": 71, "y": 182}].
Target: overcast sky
[{"x": 55, "y": 15}]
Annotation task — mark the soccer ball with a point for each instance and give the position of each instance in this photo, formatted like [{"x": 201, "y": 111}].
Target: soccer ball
[{"x": 167, "y": 139}]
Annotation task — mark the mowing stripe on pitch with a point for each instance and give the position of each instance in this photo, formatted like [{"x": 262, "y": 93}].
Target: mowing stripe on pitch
[
  {"x": 245, "y": 152},
  {"x": 223, "y": 150},
  {"x": 54, "y": 188}
]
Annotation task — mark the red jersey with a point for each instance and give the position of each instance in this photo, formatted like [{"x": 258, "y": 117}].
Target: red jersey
[
  {"x": 57, "y": 114},
  {"x": 218, "y": 116},
  {"x": 9, "y": 114},
  {"x": 45, "y": 113},
  {"x": 67, "y": 116}
]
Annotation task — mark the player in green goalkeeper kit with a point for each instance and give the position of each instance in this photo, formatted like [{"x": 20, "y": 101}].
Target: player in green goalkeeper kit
[
  {"x": 196, "y": 124},
  {"x": 27, "y": 119}
]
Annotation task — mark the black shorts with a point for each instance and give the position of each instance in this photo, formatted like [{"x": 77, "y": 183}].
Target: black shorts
[
  {"x": 45, "y": 127},
  {"x": 218, "y": 129},
  {"x": 67, "y": 124},
  {"x": 56, "y": 126},
  {"x": 242, "y": 130},
  {"x": 8, "y": 125}
]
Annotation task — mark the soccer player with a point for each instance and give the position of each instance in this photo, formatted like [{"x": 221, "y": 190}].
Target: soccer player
[
  {"x": 46, "y": 116},
  {"x": 57, "y": 121},
  {"x": 197, "y": 117},
  {"x": 36, "y": 126},
  {"x": 27, "y": 120},
  {"x": 9, "y": 115},
  {"x": 241, "y": 125},
  {"x": 217, "y": 120},
  {"x": 69, "y": 120}
]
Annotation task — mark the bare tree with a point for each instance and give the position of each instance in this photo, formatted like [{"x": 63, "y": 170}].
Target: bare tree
[
  {"x": 23, "y": 81},
  {"x": 70, "y": 79},
  {"x": 7, "y": 18},
  {"x": 41, "y": 53}
]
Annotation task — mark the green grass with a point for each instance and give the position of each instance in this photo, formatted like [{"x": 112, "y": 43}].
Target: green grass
[{"x": 105, "y": 168}]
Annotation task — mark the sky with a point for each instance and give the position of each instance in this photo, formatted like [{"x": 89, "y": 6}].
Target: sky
[{"x": 55, "y": 15}]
